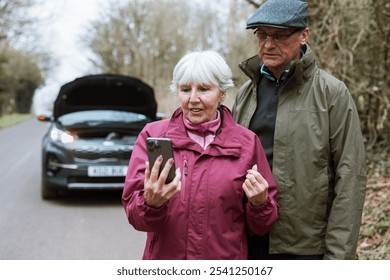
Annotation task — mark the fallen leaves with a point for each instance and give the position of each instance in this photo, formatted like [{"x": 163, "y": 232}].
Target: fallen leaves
[{"x": 374, "y": 238}]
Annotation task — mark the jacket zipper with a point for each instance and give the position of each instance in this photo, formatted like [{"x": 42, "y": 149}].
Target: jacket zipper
[
  {"x": 151, "y": 246},
  {"x": 184, "y": 179},
  {"x": 277, "y": 87}
]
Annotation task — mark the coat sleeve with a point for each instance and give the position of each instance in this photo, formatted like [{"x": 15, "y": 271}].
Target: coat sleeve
[
  {"x": 349, "y": 171},
  {"x": 260, "y": 219},
  {"x": 140, "y": 216}
]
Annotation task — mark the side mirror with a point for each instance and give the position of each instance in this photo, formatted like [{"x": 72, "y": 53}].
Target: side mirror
[
  {"x": 161, "y": 116},
  {"x": 44, "y": 118}
]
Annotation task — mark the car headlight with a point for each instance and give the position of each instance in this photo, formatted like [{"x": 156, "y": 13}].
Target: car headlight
[{"x": 61, "y": 136}]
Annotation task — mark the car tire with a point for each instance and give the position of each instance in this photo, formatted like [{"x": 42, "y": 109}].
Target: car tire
[{"x": 48, "y": 193}]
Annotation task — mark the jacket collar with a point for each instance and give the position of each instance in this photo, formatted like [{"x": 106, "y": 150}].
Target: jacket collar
[
  {"x": 299, "y": 71},
  {"x": 225, "y": 143}
]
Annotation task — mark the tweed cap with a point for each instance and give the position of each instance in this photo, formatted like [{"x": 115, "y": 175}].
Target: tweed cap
[{"x": 280, "y": 14}]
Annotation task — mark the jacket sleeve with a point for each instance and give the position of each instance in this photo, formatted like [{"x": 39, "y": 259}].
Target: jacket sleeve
[
  {"x": 260, "y": 219},
  {"x": 140, "y": 216},
  {"x": 348, "y": 159}
]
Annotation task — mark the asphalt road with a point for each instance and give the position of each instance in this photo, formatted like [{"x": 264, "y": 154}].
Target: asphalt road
[{"x": 85, "y": 226}]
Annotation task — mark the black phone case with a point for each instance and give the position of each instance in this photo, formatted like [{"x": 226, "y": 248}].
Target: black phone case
[{"x": 160, "y": 146}]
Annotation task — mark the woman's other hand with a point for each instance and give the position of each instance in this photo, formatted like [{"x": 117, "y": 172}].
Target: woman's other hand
[{"x": 255, "y": 187}]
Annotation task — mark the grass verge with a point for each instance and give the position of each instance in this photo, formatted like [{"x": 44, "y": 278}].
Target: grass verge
[{"x": 9, "y": 120}]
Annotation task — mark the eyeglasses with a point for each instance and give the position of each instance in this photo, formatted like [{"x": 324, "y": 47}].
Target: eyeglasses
[{"x": 277, "y": 38}]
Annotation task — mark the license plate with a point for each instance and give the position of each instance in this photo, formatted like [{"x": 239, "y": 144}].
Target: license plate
[{"x": 107, "y": 171}]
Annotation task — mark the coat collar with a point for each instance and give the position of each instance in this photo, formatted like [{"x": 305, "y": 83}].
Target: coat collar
[
  {"x": 225, "y": 143},
  {"x": 299, "y": 71}
]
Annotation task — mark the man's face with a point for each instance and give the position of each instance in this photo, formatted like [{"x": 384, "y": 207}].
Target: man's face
[{"x": 277, "y": 46}]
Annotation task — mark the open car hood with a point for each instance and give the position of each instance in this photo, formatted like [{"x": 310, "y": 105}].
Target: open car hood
[{"x": 106, "y": 92}]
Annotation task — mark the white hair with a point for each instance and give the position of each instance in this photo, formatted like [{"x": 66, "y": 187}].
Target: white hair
[{"x": 202, "y": 67}]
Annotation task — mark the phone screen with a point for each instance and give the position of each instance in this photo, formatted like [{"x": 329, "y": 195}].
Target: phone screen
[{"x": 157, "y": 147}]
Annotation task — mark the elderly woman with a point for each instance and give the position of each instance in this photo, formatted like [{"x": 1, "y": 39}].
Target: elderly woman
[{"x": 223, "y": 188}]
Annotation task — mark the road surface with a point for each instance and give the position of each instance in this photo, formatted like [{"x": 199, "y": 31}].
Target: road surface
[{"x": 86, "y": 226}]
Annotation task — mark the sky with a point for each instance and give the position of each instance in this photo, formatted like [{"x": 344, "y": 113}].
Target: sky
[
  {"x": 62, "y": 24},
  {"x": 69, "y": 20}
]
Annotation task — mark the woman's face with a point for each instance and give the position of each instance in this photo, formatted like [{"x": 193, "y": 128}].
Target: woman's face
[{"x": 200, "y": 101}]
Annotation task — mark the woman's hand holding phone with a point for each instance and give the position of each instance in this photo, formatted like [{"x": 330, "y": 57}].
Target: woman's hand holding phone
[{"x": 156, "y": 191}]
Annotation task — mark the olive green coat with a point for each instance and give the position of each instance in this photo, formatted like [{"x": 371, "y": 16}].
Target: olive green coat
[{"x": 318, "y": 161}]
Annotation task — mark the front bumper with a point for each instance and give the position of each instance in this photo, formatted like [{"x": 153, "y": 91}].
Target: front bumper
[
  {"x": 64, "y": 169},
  {"x": 77, "y": 176}
]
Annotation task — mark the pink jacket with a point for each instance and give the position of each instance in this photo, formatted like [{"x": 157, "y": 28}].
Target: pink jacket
[{"x": 210, "y": 217}]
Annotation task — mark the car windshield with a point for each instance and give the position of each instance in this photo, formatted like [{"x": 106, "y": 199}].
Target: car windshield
[{"x": 101, "y": 116}]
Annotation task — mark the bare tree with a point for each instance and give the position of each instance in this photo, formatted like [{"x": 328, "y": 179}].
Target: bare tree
[
  {"x": 19, "y": 71},
  {"x": 13, "y": 20},
  {"x": 351, "y": 39},
  {"x": 146, "y": 38},
  {"x": 374, "y": 66}
]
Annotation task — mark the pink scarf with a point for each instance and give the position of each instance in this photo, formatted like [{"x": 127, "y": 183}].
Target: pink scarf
[{"x": 203, "y": 133}]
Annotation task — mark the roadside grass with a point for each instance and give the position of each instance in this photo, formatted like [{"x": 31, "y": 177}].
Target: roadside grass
[{"x": 9, "y": 120}]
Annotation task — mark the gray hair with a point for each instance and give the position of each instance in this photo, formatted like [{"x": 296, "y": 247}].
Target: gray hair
[{"x": 202, "y": 67}]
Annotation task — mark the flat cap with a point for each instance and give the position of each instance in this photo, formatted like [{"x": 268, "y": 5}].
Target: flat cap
[{"x": 280, "y": 14}]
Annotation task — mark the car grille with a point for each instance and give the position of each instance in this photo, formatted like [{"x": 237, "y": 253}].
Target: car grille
[{"x": 98, "y": 154}]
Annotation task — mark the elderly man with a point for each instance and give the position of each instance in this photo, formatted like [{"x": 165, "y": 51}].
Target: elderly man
[{"x": 308, "y": 124}]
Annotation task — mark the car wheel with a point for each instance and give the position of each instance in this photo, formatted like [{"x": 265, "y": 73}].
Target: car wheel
[{"x": 48, "y": 193}]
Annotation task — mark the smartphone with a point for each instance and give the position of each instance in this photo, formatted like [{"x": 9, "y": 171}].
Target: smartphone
[{"x": 161, "y": 146}]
